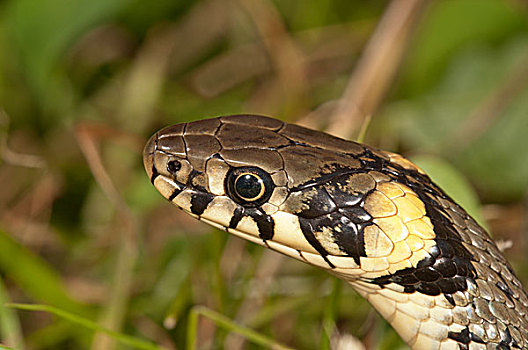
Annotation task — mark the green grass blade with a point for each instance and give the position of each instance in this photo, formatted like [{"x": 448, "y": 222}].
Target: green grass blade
[
  {"x": 122, "y": 338},
  {"x": 453, "y": 182},
  {"x": 35, "y": 276},
  {"x": 226, "y": 323},
  {"x": 10, "y": 330},
  {"x": 330, "y": 313},
  {"x": 364, "y": 128}
]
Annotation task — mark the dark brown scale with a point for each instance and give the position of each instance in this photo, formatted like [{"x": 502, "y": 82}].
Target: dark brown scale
[
  {"x": 446, "y": 249},
  {"x": 245, "y": 137},
  {"x": 427, "y": 274},
  {"x": 205, "y": 127},
  {"x": 425, "y": 288},
  {"x": 251, "y": 121},
  {"x": 446, "y": 267},
  {"x": 306, "y": 136},
  {"x": 405, "y": 278},
  {"x": 448, "y": 286}
]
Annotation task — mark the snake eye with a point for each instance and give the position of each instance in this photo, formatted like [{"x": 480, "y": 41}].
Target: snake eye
[
  {"x": 173, "y": 166},
  {"x": 249, "y": 186}
]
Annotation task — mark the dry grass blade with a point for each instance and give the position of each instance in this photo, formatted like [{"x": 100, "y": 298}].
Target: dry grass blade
[
  {"x": 329, "y": 54},
  {"x": 377, "y": 67},
  {"x": 268, "y": 267},
  {"x": 163, "y": 51},
  {"x": 114, "y": 314},
  {"x": 285, "y": 56},
  {"x": 11, "y": 157},
  {"x": 86, "y": 135}
]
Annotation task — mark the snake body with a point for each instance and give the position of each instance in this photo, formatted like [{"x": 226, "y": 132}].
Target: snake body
[{"x": 370, "y": 217}]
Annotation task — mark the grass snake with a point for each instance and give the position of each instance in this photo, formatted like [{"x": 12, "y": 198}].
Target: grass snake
[{"x": 370, "y": 217}]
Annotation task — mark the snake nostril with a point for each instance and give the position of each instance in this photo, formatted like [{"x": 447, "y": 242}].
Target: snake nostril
[{"x": 173, "y": 166}]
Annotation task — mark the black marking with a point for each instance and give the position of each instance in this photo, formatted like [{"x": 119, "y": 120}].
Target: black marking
[
  {"x": 323, "y": 179},
  {"x": 428, "y": 288},
  {"x": 356, "y": 214},
  {"x": 177, "y": 191},
  {"x": 408, "y": 289},
  {"x": 200, "y": 201},
  {"x": 406, "y": 279},
  {"x": 238, "y": 214},
  {"x": 446, "y": 267},
  {"x": 449, "y": 286},
  {"x": 214, "y": 156},
  {"x": 307, "y": 230},
  {"x": 361, "y": 238},
  {"x": 449, "y": 297},
  {"x": 506, "y": 337},
  {"x": 427, "y": 274},
  {"x": 503, "y": 286},
  {"x": 319, "y": 204},
  {"x": 461, "y": 282},
  {"x": 155, "y": 174},
  {"x": 476, "y": 338},
  {"x": 342, "y": 198},
  {"x": 461, "y": 337},
  {"x": 265, "y": 223},
  {"x": 349, "y": 239},
  {"x": 370, "y": 161},
  {"x": 446, "y": 249},
  {"x": 429, "y": 260},
  {"x": 347, "y": 235}
]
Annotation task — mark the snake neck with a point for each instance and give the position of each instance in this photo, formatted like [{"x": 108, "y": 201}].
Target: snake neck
[
  {"x": 417, "y": 320},
  {"x": 435, "y": 322}
]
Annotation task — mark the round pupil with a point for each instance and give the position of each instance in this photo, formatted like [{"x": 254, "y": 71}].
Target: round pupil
[{"x": 249, "y": 187}]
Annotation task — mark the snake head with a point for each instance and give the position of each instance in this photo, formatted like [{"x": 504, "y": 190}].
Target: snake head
[
  {"x": 306, "y": 194},
  {"x": 257, "y": 178}
]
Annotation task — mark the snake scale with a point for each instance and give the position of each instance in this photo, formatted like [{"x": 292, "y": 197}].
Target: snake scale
[{"x": 370, "y": 217}]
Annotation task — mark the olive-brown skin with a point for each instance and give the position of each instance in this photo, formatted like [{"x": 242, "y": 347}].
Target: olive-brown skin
[{"x": 368, "y": 216}]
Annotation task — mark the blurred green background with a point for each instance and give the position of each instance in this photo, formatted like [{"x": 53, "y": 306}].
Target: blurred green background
[{"x": 83, "y": 83}]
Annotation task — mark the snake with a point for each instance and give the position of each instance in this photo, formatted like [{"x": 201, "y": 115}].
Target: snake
[{"x": 370, "y": 217}]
